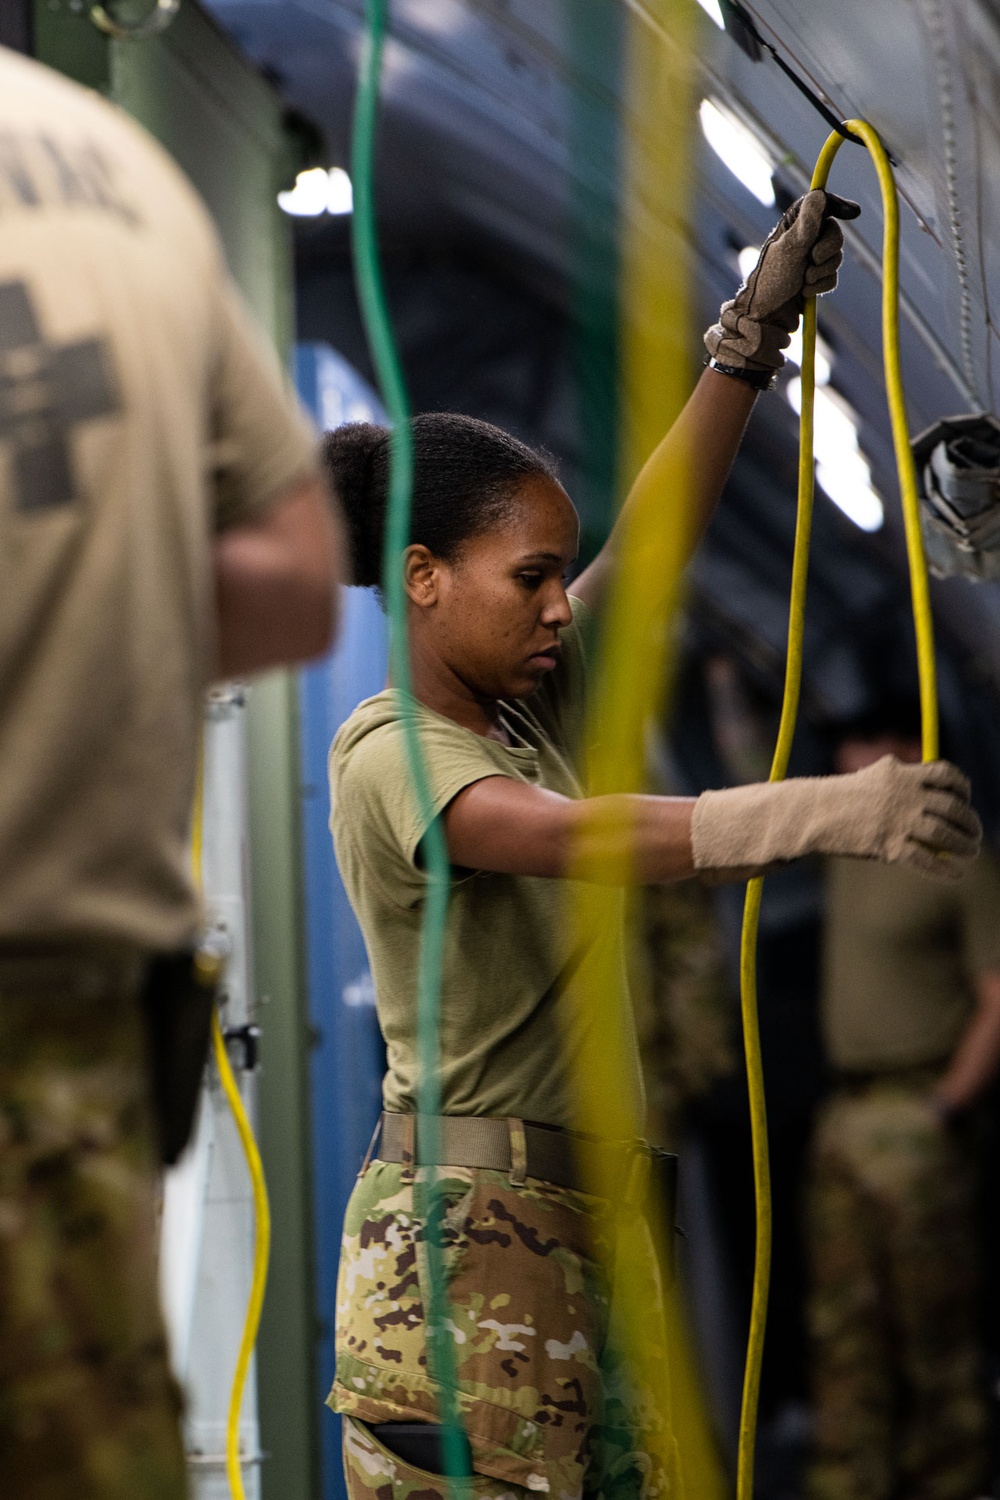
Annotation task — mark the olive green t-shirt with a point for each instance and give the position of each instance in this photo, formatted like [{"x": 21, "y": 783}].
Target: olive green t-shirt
[
  {"x": 900, "y": 955},
  {"x": 505, "y": 1047}
]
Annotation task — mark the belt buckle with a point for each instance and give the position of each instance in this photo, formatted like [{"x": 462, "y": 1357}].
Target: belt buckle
[{"x": 518, "y": 1152}]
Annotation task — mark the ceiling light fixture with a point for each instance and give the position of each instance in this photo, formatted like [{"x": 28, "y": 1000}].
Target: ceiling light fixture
[
  {"x": 713, "y": 9},
  {"x": 748, "y": 258},
  {"x": 824, "y": 356},
  {"x": 841, "y": 467},
  {"x": 308, "y": 197},
  {"x": 341, "y": 199},
  {"x": 737, "y": 146},
  {"x": 318, "y": 191}
]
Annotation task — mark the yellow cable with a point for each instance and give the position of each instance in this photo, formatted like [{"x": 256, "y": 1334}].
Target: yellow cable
[
  {"x": 924, "y": 630},
  {"x": 262, "y": 1212},
  {"x": 261, "y": 1252}
]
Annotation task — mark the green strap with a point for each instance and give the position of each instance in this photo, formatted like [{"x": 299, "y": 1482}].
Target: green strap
[{"x": 385, "y": 357}]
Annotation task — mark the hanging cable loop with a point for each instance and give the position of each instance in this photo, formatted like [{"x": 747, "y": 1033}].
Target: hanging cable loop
[{"x": 924, "y": 632}]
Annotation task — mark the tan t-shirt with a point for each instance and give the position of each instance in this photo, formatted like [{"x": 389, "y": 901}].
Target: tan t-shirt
[
  {"x": 900, "y": 953},
  {"x": 139, "y": 413},
  {"x": 504, "y": 1047}
]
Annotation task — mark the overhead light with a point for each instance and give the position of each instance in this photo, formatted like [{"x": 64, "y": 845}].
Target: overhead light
[
  {"x": 341, "y": 199},
  {"x": 835, "y": 424},
  {"x": 748, "y": 258},
  {"x": 308, "y": 198},
  {"x": 848, "y": 484},
  {"x": 824, "y": 356},
  {"x": 738, "y": 147},
  {"x": 713, "y": 9},
  {"x": 841, "y": 467},
  {"x": 318, "y": 191}
]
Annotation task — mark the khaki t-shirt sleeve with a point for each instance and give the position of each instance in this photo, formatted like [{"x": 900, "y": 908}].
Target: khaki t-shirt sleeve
[
  {"x": 261, "y": 439},
  {"x": 374, "y": 800},
  {"x": 980, "y": 896}
]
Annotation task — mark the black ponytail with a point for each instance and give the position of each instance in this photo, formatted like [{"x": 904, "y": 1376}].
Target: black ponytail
[{"x": 465, "y": 474}]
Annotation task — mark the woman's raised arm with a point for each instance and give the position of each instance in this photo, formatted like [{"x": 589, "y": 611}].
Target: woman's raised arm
[
  {"x": 799, "y": 259},
  {"x": 710, "y": 429}
]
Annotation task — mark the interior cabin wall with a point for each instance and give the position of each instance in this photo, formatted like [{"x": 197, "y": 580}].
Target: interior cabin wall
[
  {"x": 17, "y": 24},
  {"x": 224, "y": 125}
]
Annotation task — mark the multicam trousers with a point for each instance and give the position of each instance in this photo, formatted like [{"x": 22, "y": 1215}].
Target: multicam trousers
[
  {"x": 900, "y": 1408},
  {"x": 542, "y": 1398},
  {"x": 88, "y": 1408}
]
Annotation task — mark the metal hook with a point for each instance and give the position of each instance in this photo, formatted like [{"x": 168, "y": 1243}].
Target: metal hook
[{"x": 160, "y": 17}]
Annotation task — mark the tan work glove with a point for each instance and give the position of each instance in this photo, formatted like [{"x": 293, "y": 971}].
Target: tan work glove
[
  {"x": 800, "y": 258},
  {"x": 902, "y": 814}
]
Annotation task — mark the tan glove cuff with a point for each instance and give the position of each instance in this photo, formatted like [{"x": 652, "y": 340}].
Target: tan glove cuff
[
  {"x": 902, "y": 814},
  {"x": 738, "y": 339},
  {"x": 750, "y": 829}
]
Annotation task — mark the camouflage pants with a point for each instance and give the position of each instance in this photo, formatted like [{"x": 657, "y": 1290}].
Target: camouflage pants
[
  {"x": 900, "y": 1408},
  {"x": 88, "y": 1408},
  {"x": 542, "y": 1397}
]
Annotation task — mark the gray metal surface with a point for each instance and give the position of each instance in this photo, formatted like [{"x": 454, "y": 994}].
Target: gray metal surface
[
  {"x": 499, "y": 120},
  {"x": 208, "y": 1217},
  {"x": 478, "y": 120}
]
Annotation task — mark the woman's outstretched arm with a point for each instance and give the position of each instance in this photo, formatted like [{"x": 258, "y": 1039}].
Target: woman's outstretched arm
[{"x": 915, "y": 815}]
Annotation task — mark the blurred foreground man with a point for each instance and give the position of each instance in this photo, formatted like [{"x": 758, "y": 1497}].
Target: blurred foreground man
[
  {"x": 146, "y": 444},
  {"x": 911, "y": 1012}
]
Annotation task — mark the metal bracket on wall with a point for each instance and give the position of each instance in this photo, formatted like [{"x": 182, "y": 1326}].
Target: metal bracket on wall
[
  {"x": 248, "y": 1038},
  {"x": 162, "y": 15}
]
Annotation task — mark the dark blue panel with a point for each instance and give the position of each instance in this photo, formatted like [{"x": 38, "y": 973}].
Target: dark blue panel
[{"x": 348, "y": 1057}]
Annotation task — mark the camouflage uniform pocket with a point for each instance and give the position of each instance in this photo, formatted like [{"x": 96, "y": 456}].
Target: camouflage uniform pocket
[
  {"x": 528, "y": 1310},
  {"x": 373, "y": 1473}
]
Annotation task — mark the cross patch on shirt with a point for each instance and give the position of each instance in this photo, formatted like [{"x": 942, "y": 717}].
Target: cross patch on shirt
[{"x": 46, "y": 389}]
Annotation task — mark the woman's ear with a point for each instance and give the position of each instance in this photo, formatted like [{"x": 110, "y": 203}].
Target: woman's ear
[{"x": 421, "y": 575}]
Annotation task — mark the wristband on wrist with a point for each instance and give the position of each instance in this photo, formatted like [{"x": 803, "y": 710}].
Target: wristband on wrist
[{"x": 761, "y": 380}]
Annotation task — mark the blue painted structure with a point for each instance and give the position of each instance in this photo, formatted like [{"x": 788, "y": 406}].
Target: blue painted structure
[{"x": 348, "y": 1057}]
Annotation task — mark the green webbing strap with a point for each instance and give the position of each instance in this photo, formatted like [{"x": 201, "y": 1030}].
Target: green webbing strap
[{"x": 374, "y": 312}]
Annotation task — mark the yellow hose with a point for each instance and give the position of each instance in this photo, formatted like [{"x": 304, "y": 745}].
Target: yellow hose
[
  {"x": 261, "y": 1252},
  {"x": 924, "y": 629},
  {"x": 262, "y": 1212}
]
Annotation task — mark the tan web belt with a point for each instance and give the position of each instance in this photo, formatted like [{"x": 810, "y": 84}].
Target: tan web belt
[{"x": 516, "y": 1147}]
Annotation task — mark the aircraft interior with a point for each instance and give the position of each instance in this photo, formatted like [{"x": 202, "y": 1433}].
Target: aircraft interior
[{"x": 504, "y": 210}]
